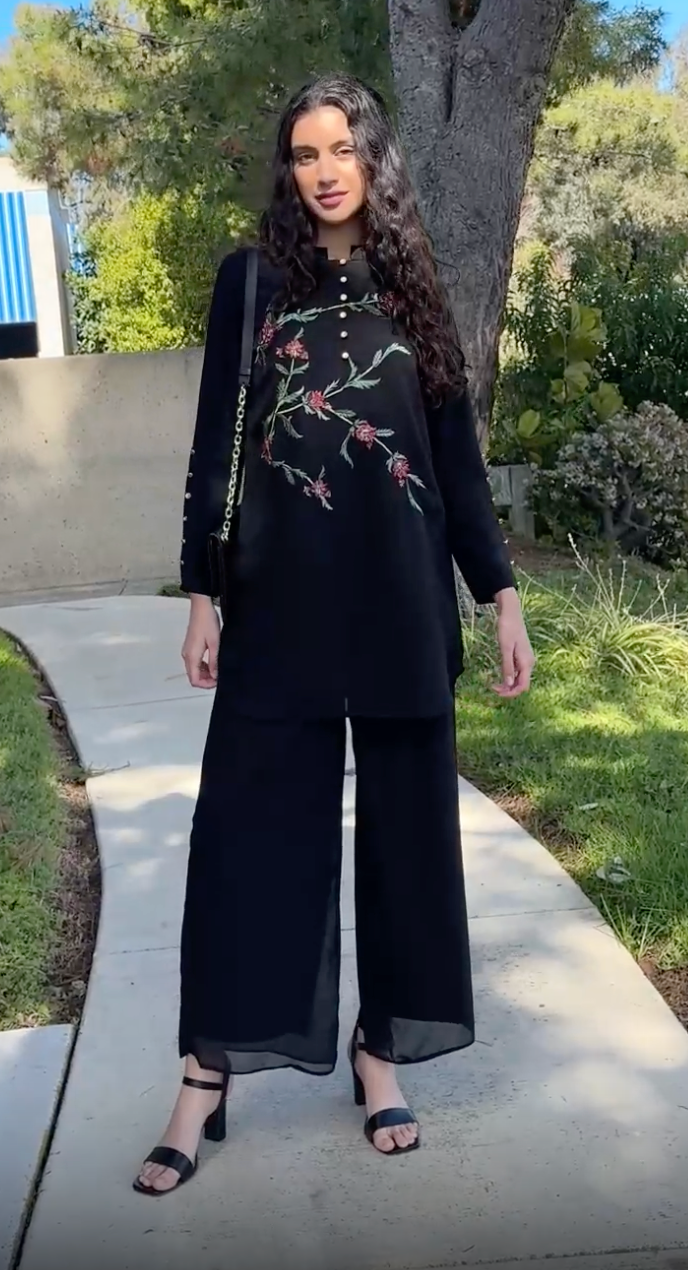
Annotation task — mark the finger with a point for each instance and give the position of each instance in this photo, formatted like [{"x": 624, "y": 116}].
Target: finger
[
  {"x": 508, "y": 667},
  {"x": 212, "y": 661}
]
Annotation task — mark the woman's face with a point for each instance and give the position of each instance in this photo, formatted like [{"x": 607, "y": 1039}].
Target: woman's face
[{"x": 326, "y": 168}]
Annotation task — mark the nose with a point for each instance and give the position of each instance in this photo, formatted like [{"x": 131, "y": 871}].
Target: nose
[{"x": 327, "y": 176}]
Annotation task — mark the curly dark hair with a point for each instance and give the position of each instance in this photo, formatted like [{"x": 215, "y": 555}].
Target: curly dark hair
[{"x": 394, "y": 238}]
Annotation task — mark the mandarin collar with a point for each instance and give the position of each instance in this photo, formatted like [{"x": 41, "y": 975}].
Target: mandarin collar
[{"x": 357, "y": 253}]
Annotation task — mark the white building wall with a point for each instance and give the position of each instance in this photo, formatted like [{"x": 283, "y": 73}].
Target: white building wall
[{"x": 49, "y": 258}]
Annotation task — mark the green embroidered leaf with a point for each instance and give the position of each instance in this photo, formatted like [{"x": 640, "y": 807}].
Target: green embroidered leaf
[
  {"x": 364, "y": 383},
  {"x": 344, "y": 450},
  {"x": 416, "y": 480},
  {"x": 330, "y": 387},
  {"x": 289, "y": 428},
  {"x": 289, "y": 474},
  {"x": 413, "y": 502},
  {"x": 385, "y": 432},
  {"x": 281, "y": 370},
  {"x": 345, "y": 414}
]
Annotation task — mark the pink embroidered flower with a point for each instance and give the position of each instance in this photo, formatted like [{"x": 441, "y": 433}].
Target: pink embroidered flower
[
  {"x": 266, "y": 450},
  {"x": 268, "y": 333},
  {"x": 294, "y": 349},
  {"x": 387, "y": 303},
  {"x": 318, "y": 489},
  {"x": 365, "y": 433},
  {"x": 316, "y": 400},
  {"x": 400, "y": 469}
]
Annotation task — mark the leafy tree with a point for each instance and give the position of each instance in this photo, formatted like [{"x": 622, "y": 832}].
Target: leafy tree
[
  {"x": 184, "y": 94},
  {"x": 607, "y": 155},
  {"x": 155, "y": 266}
]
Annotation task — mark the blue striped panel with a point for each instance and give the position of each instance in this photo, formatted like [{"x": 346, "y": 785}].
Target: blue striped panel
[{"x": 17, "y": 300}]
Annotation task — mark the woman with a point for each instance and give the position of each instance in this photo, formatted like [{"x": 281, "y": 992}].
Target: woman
[{"x": 362, "y": 479}]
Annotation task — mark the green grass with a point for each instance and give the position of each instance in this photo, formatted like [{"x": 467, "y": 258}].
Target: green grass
[
  {"x": 32, "y": 828},
  {"x": 594, "y": 759}
]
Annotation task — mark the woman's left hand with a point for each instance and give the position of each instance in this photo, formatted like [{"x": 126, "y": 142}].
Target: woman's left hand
[{"x": 517, "y": 655}]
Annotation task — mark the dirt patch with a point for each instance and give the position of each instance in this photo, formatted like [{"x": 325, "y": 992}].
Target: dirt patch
[
  {"x": 670, "y": 984},
  {"x": 77, "y": 891},
  {"x": 533, "y": 558}
]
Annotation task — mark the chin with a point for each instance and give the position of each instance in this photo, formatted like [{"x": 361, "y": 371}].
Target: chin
[{"x": 336, "y": 215}]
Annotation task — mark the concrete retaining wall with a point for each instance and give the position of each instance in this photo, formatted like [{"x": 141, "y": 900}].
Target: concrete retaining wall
[{"x": 93, "y": 454}]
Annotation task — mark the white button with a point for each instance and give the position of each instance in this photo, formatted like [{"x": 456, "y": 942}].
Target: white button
[
  {"x": 190, "y": 473},
  {"x": 183, "y": 542},
  {"x": 343, "y": 334},
  {"x": 187, "y": 496},
  {"x": 344, "y": 279},
  {"x": 342, "y": 262},
  {"x": 345, "y": 355},
  {"x": 343, "y": 314},
  {"x": 193, "y": 451},
  {"x": 343, "y": 298},
  {"x": 184, "y": 517}
]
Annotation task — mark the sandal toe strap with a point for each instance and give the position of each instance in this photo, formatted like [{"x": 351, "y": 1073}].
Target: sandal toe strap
[
  {"x": 170, "y": 1158},
  {"x": 389, "y": 1118}
]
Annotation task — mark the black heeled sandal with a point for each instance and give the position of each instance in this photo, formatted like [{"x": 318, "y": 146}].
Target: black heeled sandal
[
  {"x": 214, "y": 1130},
  {"x": 389, "y": 1117}
]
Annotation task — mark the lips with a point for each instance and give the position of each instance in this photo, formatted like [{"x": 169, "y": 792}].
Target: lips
[{"x": 332, "y": 199}]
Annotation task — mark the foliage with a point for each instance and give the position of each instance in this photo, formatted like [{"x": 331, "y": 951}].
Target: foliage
[
  {"x": 139, "y": 93},
  {"x": 640, "y": 281},
  {"x": 594, "y": 758},
  {"x": 631, "y": 474},
  {"x": 149, "y": 273},
  {"x": 609, "y": 154},
  {"x": 141, "y": 96},
  {"x": 552, "y": 386},
  {"x": 603, "y": 43}
]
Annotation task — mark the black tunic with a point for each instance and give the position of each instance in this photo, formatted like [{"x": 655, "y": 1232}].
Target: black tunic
[{"x": 357, "y": 495}]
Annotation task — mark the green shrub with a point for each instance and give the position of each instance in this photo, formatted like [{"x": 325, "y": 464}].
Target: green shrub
[
  {"x": 629, "y": 478},
  {"x": 640, "y": 281},
  {"x": 551, "y": 386}
]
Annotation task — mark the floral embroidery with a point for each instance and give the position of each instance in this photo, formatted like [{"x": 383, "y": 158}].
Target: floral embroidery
[
  {"x": 319, "y": 489},
  {"x": 316, "y": 402},
  {"x": 275, "y": 322},
  {"x": 293, "y": 397},
  {"x": 400, "y": 468},
  {"x": 267, "y": 334},
  {"x": 387, "y": 303},
  {"x": 294, "y": 349},
  {"x": 365, "y": 433}
]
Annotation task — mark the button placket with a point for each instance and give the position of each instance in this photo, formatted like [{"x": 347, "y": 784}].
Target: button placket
[{"x": 342, "y": 316}]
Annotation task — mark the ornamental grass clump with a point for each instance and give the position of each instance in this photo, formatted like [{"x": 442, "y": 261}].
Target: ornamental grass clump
[
  {"x": 603, "y": 624},
  {"x": 599, "y": 625},
  {"x": 631, "y": 475}
]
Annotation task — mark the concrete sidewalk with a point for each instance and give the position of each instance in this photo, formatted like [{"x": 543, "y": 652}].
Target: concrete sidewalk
[{"x": 562, "y": 1133}]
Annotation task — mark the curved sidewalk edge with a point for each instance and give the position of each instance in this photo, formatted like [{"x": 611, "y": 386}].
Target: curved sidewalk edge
[{"x": 562, "y": 1133}]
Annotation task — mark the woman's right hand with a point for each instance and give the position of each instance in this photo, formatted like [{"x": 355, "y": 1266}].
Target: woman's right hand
[{"x": 202, "y": 643}]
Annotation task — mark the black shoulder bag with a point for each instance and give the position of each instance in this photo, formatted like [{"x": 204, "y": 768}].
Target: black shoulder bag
[{"x": 221, "y": 542}]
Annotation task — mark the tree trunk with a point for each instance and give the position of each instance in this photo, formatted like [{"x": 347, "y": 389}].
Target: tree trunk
[{"x": 469, "y": 101}]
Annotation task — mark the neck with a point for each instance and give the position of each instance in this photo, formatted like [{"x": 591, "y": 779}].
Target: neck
[{"x": 339, "y": 240}]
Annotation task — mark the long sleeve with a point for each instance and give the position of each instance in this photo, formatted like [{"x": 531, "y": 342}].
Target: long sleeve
[
  {"x": 207, "y": 480},
  {"x": 475, "y": 537}
]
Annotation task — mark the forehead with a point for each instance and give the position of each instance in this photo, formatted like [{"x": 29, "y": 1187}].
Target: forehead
[{"x": 321, "y": 127}]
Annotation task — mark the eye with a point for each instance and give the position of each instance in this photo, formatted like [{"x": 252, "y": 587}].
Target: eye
[{"x": 303, "y": 158}]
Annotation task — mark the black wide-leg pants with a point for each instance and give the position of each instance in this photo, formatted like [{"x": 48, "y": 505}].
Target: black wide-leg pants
[{"x": 260, "y": 948}]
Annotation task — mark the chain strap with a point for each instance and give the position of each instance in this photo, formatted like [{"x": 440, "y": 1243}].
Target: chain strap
[{"x": 234, "y": 469}]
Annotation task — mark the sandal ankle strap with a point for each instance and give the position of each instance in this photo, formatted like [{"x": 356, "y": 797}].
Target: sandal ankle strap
[{"x": 201, "y": 1084}]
